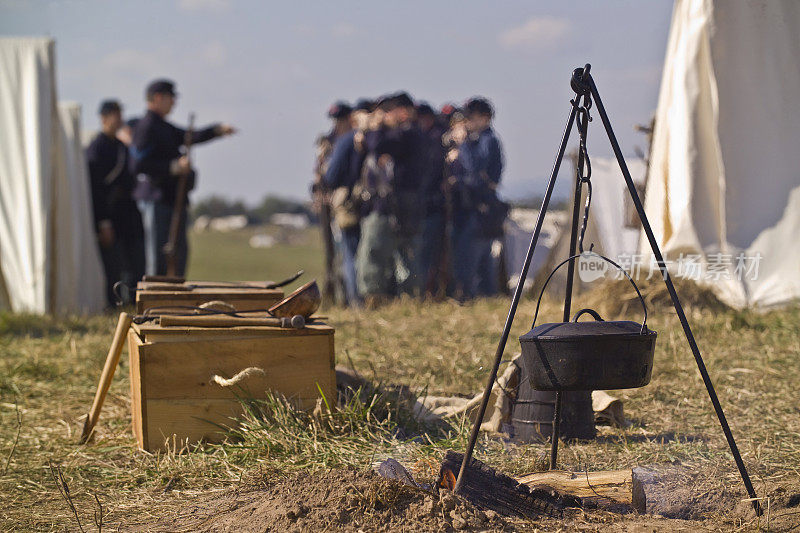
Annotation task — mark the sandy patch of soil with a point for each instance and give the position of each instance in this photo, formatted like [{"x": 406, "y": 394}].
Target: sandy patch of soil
[{"x": 349, "y": 500}]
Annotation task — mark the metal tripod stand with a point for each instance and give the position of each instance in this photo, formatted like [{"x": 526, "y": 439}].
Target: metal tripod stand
[{"x": 586, "y": 92}]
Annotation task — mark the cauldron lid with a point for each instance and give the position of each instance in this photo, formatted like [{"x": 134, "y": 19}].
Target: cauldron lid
[{"x": 571, "y": 330}]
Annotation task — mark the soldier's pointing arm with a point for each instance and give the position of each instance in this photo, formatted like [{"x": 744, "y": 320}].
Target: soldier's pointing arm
[{"x": 206, "y": 134}]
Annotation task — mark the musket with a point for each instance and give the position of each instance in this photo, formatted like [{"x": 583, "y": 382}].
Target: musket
[
  {"x": 170, "y": 248},
  {"x": 444, "y": 273},
  {"x": 325, "y": 218}
]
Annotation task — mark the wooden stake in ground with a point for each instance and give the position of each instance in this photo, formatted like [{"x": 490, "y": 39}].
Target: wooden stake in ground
[{"x": 112, "y": 360}]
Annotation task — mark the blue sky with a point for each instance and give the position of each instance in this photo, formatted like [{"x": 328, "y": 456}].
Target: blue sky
[{"x": 273, "y": 68}]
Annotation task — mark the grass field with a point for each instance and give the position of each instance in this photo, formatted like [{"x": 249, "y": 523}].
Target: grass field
[
  {"x": 49, "y": 369},
  {"x": 229, "y": 257}
]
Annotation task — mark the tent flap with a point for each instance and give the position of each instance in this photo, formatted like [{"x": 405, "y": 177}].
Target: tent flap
[{"x": 724, "y": 175}]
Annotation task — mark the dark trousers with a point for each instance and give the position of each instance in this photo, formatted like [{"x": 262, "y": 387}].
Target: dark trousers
[
  {"x": 124, "y": 259},
  {"x": 431, "y": 251},
  {"x": 486, "y": 267},
  {"x": 464, "y": 260},
  {"x": 407, "y": 264},
  {"x": 161, "y": 222},
  {"x": 349, "y": 247}
]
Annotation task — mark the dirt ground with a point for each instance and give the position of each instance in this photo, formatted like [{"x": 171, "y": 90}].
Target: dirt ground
[{"x": 351, "y": 500}]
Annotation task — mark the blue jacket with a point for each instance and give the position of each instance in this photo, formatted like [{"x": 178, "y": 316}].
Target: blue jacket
[
  {"x": 482, "y": 159},
  {"x": 344, "y": 166}
]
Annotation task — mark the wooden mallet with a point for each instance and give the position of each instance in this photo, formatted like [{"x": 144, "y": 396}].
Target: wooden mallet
[
  {"x": 112, "y": 360},
  {"x": 295, "y": 322}
]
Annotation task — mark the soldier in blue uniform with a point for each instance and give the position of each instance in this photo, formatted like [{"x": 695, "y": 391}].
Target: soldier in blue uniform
[
  {"x": 482, "y": 158},
  {"x": 156, "y": 151},
  {"x": 342, "y": 175},
  {"x": 462, "y": 192},
  {"x": 433, "y": 225},
  {"x": 339, "y": 113},
  {"x": 399, "y": 139},
  {"x": 117, "y": 220}
]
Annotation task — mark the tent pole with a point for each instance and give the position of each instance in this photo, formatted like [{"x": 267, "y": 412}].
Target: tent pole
[{"x": 674, "y": 296}]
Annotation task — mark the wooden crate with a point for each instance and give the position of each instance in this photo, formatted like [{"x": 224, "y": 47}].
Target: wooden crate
[
  {"x": 174, "y": 400},
  {"x": 242, "y": 299}
]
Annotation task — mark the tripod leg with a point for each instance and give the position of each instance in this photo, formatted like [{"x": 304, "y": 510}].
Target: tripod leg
[
  {"x": 555, "y": 434},
  {"x": 473, "y": 438},
  {"x": 712, "y": 394}
]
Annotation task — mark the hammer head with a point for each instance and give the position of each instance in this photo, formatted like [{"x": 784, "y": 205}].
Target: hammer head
[{"x": 296, "y": 322}]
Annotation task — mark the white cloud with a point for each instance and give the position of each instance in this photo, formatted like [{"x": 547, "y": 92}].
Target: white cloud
[
  {"x": 535, "y": 34},
  {"x": 215, "y": 54},
  {"x": 204, "y": 5},
  {"x": 344, "y": 29}
]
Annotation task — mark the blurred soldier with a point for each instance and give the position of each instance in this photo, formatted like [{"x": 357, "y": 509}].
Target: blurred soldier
[
  {"x": 462, "y": 194},
  {"x": 117, "y": 221},
  {"x": 125, "y": 133},
  {"x": 342, "y": 176},
  {"x": 482, "y": 157},
  {"x": 339, "y": 113},
  {"x": 157, "y": 154},
  {"x": 400, "y": 139},
  {"x": 433, "y": 225},
  {"x": 446, "y": 114},
  {"x": 320, "y": 203},
  {"x": 375, "y": 262}
]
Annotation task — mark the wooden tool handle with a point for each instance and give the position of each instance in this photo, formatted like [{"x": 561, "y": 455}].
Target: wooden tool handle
[
  {"x": 161, "y": 286},
  {"x": 221, "y": 321},
  {"x": 110, "y": 367},
  {"x": 163, "y": 279}
]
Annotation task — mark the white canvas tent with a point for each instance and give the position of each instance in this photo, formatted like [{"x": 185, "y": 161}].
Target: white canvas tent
[
  {"x": 48, "y": 260},
  {"x": 606, "y": 229},
  {"x": 724, "y": 179},
  {"x": 79, "y": 278}
]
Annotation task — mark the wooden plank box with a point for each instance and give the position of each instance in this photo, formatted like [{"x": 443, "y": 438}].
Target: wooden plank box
[
  {"x": 173, "y": 399},
  {"x": 150, "y": 295}
]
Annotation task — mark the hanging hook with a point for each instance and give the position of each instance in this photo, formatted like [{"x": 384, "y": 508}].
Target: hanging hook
[
  {"x": 584, "y": 164},
  {"x": 585, "y": 216}
]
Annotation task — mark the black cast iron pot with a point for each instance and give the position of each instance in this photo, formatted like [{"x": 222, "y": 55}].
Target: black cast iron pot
[{"x": 595, "y": 355}]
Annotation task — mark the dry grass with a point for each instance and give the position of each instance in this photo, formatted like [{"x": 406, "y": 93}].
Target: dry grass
[{"x": 49, "y": 368}]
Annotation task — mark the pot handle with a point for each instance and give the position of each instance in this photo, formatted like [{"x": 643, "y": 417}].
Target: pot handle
[{"x": 594, "y": 314}]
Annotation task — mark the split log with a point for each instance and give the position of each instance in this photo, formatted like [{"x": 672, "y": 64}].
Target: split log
[
  {"x": 489, "y": 489},
  {"x": 609, "y": 490}
]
